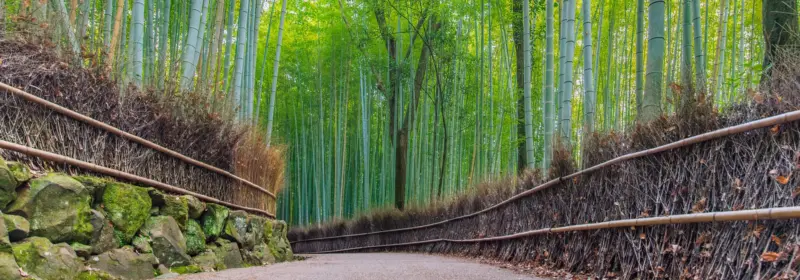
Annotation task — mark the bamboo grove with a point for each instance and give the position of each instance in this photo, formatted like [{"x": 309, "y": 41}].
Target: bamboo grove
[{"x": 405, "y": 103}]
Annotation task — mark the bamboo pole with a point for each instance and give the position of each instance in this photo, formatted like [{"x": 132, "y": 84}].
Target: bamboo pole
[
  {"x": 716, "y": 134},
  {"x": 120, "y": 174},
  {"x": 779, "y": 213},
  {"x": 123, "y": 134}
]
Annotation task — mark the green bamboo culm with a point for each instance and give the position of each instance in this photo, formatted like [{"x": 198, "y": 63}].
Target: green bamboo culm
[
  {"x": 189, "y": 51},
  {"x": 651, "y": 101},
  {"x": 275, "y": 73},
  {"x": 526, "y": 43},
  {"x": 241, "y": 50},
  {"x": 699, "y": 52},
  {"x": 565, "y": 113},
  {"x": 639, "y": 53},
  {"x": 590, "y": 96},
  {"x": 549, "y": 104}
]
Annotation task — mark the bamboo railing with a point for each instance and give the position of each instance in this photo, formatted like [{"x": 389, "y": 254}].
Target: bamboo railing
[
  {"x": 719, "y": 133},
  {"x": 726, "y": 216},
  {"x": 113, "y": 130},
  {"x": 120, "y": 174}
]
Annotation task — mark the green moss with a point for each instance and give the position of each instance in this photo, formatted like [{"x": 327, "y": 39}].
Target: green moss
[
  {"x": 20, "y": 171},
  {"x": 195, "y": 238},
  {"x": 8, "y": 184},
  {"x": 189, "y": 269},
  {"x": 95, "y": 185},
  {"x": 176, "y": 207},
  {"x": 213, "y": 220},
  {"x": 95, "y": 275},
  {"x": 128, "y": 207}
]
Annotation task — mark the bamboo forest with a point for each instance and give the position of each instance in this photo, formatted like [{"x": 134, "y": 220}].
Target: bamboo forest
[{"x": 384, "y": 104}]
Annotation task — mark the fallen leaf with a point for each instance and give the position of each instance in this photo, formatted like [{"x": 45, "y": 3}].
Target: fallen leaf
[
  {"x": 700, "y": 206},
  {"x": 769, "y": 256},
  {"x": 776, "y": 239},
  {"x": 775, "y": 129},
  {"x": 642, "y": 236},
  {"x": 757, "y": 231},
  {"x": 783, "y": 180}
]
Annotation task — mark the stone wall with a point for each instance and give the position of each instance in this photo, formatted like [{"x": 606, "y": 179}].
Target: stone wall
[{"x": 56, "y": 226}]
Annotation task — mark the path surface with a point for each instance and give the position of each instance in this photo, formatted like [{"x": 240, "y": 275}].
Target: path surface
[{"x": 370, "y": 266}]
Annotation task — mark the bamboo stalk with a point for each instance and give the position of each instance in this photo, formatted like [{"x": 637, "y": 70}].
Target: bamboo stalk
[
  {"x": 778, "y": 213},
  {"x": 120, "y": 174},
  {"x": 719, "y": 133},
  {"x": 123, "y": 134}
]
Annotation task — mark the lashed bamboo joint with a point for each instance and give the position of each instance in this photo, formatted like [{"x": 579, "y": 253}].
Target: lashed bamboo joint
[
  {"x": 719, "y": 133},
  {"x": 779, "y": 213},
  {"x": 77, "y": 116}
]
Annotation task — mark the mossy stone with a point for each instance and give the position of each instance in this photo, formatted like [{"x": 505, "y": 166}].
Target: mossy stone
[
  {"x": 196, "y": 207},
  {"x": 5, "y": 242},
  {"x": 258, "y": 256},
  {"x": 40, "y": 258},
  {"x": 20, "y": 171},
  {"x": 123, "y": 263},
  {"x": 103, "y": 235},
  {"x": 195, "y": 238},
  {"x": 236, "y": 227},
  {"x": 228, "y": 255},
  {"x": 17, "y": 227},
  {"x": 206, "y": 260},
  {"x": 255, "y": 231},
  {"x": 8, "y": 267},
  {"x": 176, "y": 207},
  {"x": 95, "y": 275},
  {"x": 167, "y": 241},
  {"x": 142, "y": 244},
  {"x": 95, "y": 185},
  {"x": 82, "y": 250},
  {"x": 57, "y": 207},
  {"x": 8, "y": 184},
  {"x": 187, "y": 269},
  {"x": 213, "y": 220},
  {"x": 128, "y": 208}
]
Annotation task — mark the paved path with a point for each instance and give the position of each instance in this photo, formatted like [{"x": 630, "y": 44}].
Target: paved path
[{"x": 368, "y": 267}]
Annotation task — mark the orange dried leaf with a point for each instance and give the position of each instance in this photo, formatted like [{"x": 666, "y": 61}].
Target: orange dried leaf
[
  {"x": 700, "y": 206},
  {"x": 776, "y": 239},
  {"x": 783, "y": 180},
  {"x": 769, "y": 256},
  {"x": 642, "y": 236},
  {"x": 757, "y": 231},
  {"x": 775, "y": 129}
]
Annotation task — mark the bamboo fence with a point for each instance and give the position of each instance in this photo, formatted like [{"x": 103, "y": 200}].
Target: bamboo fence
[
  {"x": 725, "y": 216},
  {"x": 719, "y": 133}
]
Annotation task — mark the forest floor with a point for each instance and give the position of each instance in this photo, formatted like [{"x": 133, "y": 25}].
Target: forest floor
[{"x": 372, "y": 266}]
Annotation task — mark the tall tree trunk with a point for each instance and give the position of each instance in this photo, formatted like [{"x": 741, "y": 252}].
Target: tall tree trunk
[
  {"x": 275, "y": 73},
  {"x": 651, "y": 101},
  {"x": 780, "y": 29}
]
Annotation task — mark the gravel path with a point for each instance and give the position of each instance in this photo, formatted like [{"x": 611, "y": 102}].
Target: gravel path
[{"x": 369, "y": 266}]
